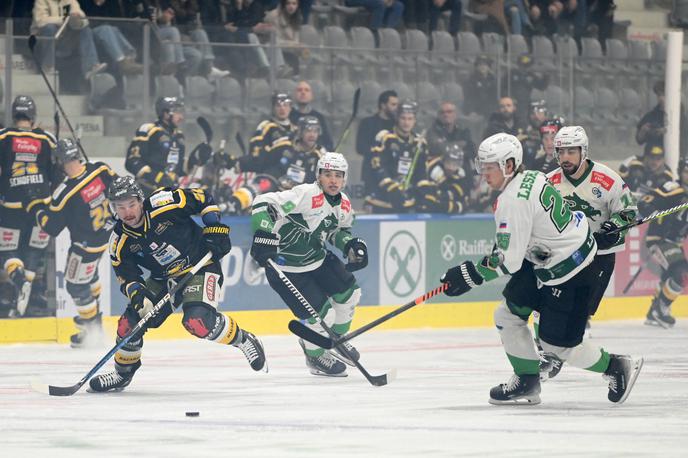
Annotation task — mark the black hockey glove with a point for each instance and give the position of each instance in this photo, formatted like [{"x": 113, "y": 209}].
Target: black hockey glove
[
  {"x": 604, "y": 239},
  {"x": 201, "y": 153},
  {"x": 217, "y": 240},
  {"x": 140, "y": 298},
  {"x": 356, "y": 252},
  {"x": 461, "y": 279},
  {"x": 264, "y": 247}
]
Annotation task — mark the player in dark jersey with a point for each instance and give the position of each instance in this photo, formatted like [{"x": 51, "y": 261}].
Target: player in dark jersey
[
  {"x": 158, "y": 234},
  {"x": 80, "y": 204},
  {"x": 26, "y": 163}
]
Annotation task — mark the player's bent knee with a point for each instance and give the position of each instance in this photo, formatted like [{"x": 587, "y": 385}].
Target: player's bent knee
[
  {"x": 504, "y": 317},
  {"x": 347, "y": 301},
  {"x": 199, "y": 319},
  {"x": 80, "y": 293}
]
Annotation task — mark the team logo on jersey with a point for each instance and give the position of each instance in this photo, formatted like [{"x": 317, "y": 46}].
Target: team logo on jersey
[
  {"x": 318, "y": 201},
  {"x": 161, "y": 198},
  {"x": 162, "y": 227},
  {"x": 596, "y": 191},
  {"x": 26, "y": 148},
  {"x": 576, "y": 203},
  {"x": 94, "y": 189},
  {"x": 555, "y": 179},
  {"x": 606, "y": 181}
]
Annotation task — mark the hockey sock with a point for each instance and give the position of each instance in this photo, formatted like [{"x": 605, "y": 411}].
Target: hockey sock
[
  {"x": 517, "y": 341},
  {"x": 344, "y": 305},
  {"x": 327, "y": 314},
  {"x": 585, "y": 355},
  {"x": 226, "y": 331},
  {"x": 668, "y": 292},
  {"x": 128, "y": 357}
]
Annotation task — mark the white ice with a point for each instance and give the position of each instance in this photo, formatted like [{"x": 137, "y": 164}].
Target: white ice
[{"x": 436, "y": 407}]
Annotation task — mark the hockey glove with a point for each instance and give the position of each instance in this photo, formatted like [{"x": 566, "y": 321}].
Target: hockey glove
[
  {"x": 264, "y": 247},
  {"x": 356, "y": 252},
  {"x": 201, "y": 154},
  {"x": 604, "y": 239},
  {"x": 461, "y": 279},
  {"x": 216, "y": 237},
  {"x": 140, "y": 299}
]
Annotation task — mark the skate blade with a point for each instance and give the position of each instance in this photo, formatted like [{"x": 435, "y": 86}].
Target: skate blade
[
  {"x": 114, "y": 390},
  {"x": 522, "y": 401},
  {"x": 637, "y": 365},
  {"x": 657, "y": 323},
  {"x": 324, "y": 374}
]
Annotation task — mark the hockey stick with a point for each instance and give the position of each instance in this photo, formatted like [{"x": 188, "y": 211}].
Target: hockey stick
[
  {"x": 653, "y": 216},
  {"x": 205, "y": 127},
  {"x": 168, "y": 297},
  {"x": 354, "y": 112},
  {"x": 376, "y": 380},
  {"x": 632, "y": 280},
  {"x": 32, "y": 46},
  {"x": 242, "y": 146},
  {"x": 308, "y": 334},
  {"x": 409, "y": 175}
]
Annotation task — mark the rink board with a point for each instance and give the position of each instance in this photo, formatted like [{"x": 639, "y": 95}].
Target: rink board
[{"x": 407, "y": 256}]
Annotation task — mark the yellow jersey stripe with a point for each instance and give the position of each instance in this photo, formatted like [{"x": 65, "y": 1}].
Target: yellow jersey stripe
[{"x": 77, "y": 188}]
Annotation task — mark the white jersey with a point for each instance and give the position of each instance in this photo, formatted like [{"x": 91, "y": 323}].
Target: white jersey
[
  {"x": 534, "y": 223},
  {"x": 305, "y": 218},
  {"x": 600, "y": 194}
]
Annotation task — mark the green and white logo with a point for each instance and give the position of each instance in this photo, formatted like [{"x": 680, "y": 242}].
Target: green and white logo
[{"x": 403, "y": 261}]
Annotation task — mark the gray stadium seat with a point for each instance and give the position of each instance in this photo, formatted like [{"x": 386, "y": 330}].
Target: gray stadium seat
[
  {"x": 606, "y": 103},
  {"x": 363, "y": 54},
  {"x": 567, "y": 50},
  {"x": 429, "y": 99},
  {"x": 556, "y": 99},
  {"x": 630, "y": 105},
  {"x": 321, "y": 96},
  {"x": 453, "y": 92},
  {"x": 640, "y": 53},
  {"x": 229, "y": 96},
  {"x": 493, "y": 45},
  {"x": 416, "y": 58},
  {"x": 592, "y": 57},
  {"x": 258, "y": 95},
  {"x": 404, "y": 91},
  {"x": 543, "y": 53},
  {"x": 390, "y": 62},
  {"x": 199, "y": 94},
  {"x": 370, "y": 91},
  {"x": 286, "y": 85},
  {"x": 167, "y": 86},
  {"x": 443, "y": 56},
  {"x": 517, "y": 45},
  {"x": 468, "y": 46},
  {"x": 617, "y": 54},
  {"x": 584, "y": 105}
]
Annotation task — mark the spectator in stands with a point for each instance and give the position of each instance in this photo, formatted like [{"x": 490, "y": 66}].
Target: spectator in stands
[
  {"x": 385, "y": 13},
  {"x": 505, "y": 120},
  {"x": 544, "y": 159},
  {"x": 303, "y": 94},
  {"x": 369, "y": 127},
  {"x": 286, "y": 21},
  {"x": 48, "y": 17},
  {"x": 521, "y": 81},
  {"x": 446, "y": 130},
  {"x": 652, "y": 126},
  {"x": 536, "y": 116},
  {"x": 481, "y": 88},
  {"x": 437, "y": 7},
  {"x": 601, "y": 17},
  {"x": 547, "y": 16},
  {"x": 416, "y": 14},
  {"x": 109, "y": 37},
  {"x": 517, "y": 13}
]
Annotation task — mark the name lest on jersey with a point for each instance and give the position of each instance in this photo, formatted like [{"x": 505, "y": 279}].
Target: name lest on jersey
[{"x": 526, "y": 185}]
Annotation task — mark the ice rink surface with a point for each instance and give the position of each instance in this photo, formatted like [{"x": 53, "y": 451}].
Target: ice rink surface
[{"x": 437, "y": 406}]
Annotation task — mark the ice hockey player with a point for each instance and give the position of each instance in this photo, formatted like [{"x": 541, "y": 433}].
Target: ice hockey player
[
  {"x": 664, "y": 240},
  {"x": 544, "y": 159},
  {"x": 647, "y": 172},
  {"x": 271, "y": 140},
  {"x": 25, "y": 179},
  {"x": 158, "y": 234},
  {"x": 602, "y": 196},
  {"x": 156, "y": 155},
  {"x": 80, "y": 204},
  {"x": 398, "y": 158},
  {"x": 447, "y": 188},
  {"x": 548, "y": 250},
  {"x": 291, "y": 227},
  {"x": 299, "y": 162}
]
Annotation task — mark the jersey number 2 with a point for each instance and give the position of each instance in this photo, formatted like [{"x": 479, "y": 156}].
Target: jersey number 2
[
  {"x": 552, "y": 202},
  {"x": 100, "y": 215}
]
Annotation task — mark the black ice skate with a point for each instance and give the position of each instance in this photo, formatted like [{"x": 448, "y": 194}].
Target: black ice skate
[
  {"x": 550, "y": 365},
  {"x": 621, "y": 373},
  {"x": 325, "y": 364},
  {"x": 660, "y": 315},
  {"x": 340, "y": 355},
  {"x": 520, "y": 389},
  {"x": 113, "y": 381},
  {"x": 253, "y": 349},
  {"x": 90, "y": 331}
]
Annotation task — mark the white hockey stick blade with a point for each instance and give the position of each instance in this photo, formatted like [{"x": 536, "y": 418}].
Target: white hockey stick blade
[{"x": 39, "y": 386}]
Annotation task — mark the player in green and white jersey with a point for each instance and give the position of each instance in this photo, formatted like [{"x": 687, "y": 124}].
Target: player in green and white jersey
[
  {"x": 292, "y": 228},
  {"x": 547, "y": 249}
]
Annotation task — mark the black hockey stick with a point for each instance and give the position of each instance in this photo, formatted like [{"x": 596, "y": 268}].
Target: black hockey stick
[
  {"x": 376, "y": 380},
  {"x": 632, "y": 280},
  {"x": 32, "y": 45},
  {"x": 205, "y": 127},
  {"x": 308, "y": 334},
  {"x": 354, "y": 112},
  {"x": 171, "y": 292},
  {"x": 653, "y": 216},
  {"x": 240, "y": 141}
]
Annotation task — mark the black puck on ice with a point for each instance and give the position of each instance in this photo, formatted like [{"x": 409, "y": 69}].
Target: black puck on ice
[{"x": 192, "y": 414}]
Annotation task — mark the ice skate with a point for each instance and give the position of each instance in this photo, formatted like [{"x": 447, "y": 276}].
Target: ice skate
[
  {"x": 622, "y": 373},
  {"x": 350, "y": 349},
  {"x": 520, "y": 389},
  {"x": 550, "y": 365},
  {"x": 660, "y": 315},
  {"x": 90, "y": 331},
  {"x": 113, "y": 381},
  {"x": 325, "y": 364},
  {"x": 253, "y": 349}
]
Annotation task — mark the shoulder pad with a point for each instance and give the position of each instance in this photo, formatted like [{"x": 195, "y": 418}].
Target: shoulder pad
[
  {"x": 381, "y": 135},
  {"x": 145, "y": 127},
  {"x": 50, "y": 136},
  {"x": 670, "y": 186},
  {"x": 58, "y": 191},
  {"x": 161, "y": 198}
]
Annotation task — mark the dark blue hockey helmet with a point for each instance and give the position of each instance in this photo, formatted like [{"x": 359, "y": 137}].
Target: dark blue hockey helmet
[
  {"x": 23, "y": 107},
  {"x": 68, "y": 150}
]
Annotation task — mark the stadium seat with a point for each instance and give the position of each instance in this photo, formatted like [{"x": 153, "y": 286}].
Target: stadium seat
[
  {"x": 258, "y": 95},
  {"x": 443, "y": 57},
  {"x": 429, "y": 99},
  {"x": 617, "y": 54},
  {"x": 321, "y": 98},
  {"x": 338, "y": 61},
  {"x": 517, "y": 45},
  {"x": 228, "y": 97},
  {"x": 370, "y": 91},
  {"x": 199, "y": 95},
  {"x": 390, "y": 61},
  {"x": 640, "y": 53},
  {"x": 543, "y": 53},
  {"x": 592, "y": 57},
  {"x": 493, "y": 45},
  {"x": 453, "y": 92},
  {"x": 567, "y": 50},
  {"x": 557, "y": 100},
  {"x": 468, "y": 46},
  {"x": 404, "y": 91},
  {"x": 167, "y": 86},
  {"x": 417, "y": 61},
  {"x": 363, "y": 55},
  {"x": 584, "y": 105}
]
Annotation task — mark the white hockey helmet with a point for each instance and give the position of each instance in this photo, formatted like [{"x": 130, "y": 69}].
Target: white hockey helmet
[
  {"x": 499, "y": 148},
  {"x": 570, "y": 137},
  {"x": 333, "y": 161}
]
